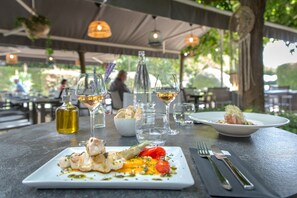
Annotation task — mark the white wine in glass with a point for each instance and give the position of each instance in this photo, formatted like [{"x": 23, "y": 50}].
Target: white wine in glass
[
  {"x": 90, "y": 102},
  {"x": 167, "y": 88},
  {"x": 91, "y": 91},
  {"x": 167, "y": 97}
]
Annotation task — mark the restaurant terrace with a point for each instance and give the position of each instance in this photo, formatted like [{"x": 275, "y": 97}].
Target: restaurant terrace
[{"x": 148, "y": 98}]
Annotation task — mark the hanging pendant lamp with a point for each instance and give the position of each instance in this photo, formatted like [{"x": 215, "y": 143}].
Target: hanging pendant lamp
[
  {"x": 191, "y": 40},
  {"x": 11, "y": 59},
  {"x": 155, "y": 36},
  {"x": 99, "y": 29}
]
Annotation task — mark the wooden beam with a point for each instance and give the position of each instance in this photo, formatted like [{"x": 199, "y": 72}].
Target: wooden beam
[
  {"x": 82, "y": 61},
  {"x": 92, "y": 42},
  {"x": 254, "y": 97}
]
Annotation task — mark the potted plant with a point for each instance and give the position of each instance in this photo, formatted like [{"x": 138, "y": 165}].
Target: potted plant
[{"x": 35, "y": 26}]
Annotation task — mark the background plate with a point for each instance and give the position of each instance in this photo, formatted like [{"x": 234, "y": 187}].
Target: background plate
[{"x": 238, "y": 130}]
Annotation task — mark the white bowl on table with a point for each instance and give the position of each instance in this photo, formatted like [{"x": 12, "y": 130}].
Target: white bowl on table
[
  {"x": 125, "y": 127},
  {"x": 238, "y": 130}
]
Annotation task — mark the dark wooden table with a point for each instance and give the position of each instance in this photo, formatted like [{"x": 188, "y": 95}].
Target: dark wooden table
[
  {"x": 270, "y": 152},
  {"x": 39, "y": 105}
]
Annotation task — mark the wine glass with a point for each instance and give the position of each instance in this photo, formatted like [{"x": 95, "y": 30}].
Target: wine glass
[
  {"x": 167, "y": 88},
  {"x": 90, "y": 91}
]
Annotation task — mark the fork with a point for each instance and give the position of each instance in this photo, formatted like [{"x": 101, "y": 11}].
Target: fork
[{"x": 203, "y": 151}]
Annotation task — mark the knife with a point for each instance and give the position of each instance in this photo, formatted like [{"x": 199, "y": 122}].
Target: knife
[{"x": 236, "y": 172}]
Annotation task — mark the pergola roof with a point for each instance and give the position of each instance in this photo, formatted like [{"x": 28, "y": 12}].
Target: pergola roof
[
  {"x": 67, "y": 57},
  {"x": 130, "y": 22},
  {"x": 70, "y": 20},
  {"x": 190, "y": 11}
]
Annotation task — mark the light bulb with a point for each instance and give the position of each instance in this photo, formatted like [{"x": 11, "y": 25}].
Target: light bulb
[
  {"x": 99, "y": 27},
  {"x": 50, "y": 58},
  {"x": 191, "y": 39},
  {"x": 185, "y": 54},
  {"x": 11, "y": 56},
  {"x": 155, "y": 35}
]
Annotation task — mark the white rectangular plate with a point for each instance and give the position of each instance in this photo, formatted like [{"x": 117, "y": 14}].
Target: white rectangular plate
[{"x": 49, "y": 175}]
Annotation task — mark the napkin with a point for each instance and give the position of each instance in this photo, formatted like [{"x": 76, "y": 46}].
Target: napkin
[{"x": 213, "y": 185}]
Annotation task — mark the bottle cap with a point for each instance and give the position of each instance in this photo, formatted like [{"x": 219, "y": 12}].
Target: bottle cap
[{"x": 141, "y": 53}]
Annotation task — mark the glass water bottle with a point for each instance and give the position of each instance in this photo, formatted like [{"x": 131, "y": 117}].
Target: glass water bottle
[
  {"x": 142, "y": 85},
  {"x": 67, "y": 117}
]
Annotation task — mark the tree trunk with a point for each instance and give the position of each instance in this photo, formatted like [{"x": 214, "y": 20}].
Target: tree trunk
[{"x": 254, "y": 97}]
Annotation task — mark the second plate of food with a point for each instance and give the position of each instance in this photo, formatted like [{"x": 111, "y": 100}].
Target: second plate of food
[{"x": 238, "y": 130}]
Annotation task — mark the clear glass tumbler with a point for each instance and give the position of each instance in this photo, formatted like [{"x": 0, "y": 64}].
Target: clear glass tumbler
[
  {"x": 152, "y": 127},
  {"x": 181, "y": 112},
  {"x": 99, "y": 117}
]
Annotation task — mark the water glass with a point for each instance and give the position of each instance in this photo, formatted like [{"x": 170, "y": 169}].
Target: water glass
[
  {"x": 99, "y": 117},
  {"x": 181, "y": 112},
  {"x": 152, "y": 127}
]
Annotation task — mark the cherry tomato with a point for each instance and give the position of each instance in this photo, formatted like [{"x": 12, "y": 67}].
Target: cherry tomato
[
  {"x": 154, "y": 152},
  {"x": 163, "y": 167}
]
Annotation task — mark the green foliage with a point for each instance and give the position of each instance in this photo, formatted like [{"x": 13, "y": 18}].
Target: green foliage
[
  {"x": 155, "y": 66},
  {"x": 287, "y": 75},
  {"x": 292, "y": 126},
  {"x": 277, "y": 11},
  {"x": 32, "y": 77},
  {"x": 32, "y": 21},
  {"x": 48, "y": 46},
  {"x": 202, "y": 81},
  {"x": 282, "y": 12}
]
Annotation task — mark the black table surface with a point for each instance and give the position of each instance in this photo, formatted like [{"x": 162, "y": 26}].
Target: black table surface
[{"x": 271, "y": 152}]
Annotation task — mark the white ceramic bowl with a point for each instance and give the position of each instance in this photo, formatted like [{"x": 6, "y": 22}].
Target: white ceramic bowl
[
  {"x": 238, "y": 130},
  {"x": 125, "y": 127}
]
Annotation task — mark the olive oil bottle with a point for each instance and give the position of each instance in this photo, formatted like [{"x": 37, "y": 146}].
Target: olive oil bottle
[{"x": 67, "y": 116}]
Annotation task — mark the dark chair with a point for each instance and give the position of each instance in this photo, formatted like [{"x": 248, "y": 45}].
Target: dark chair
[
  {"x": 221, "y": 96},
  {"x": 187, "y": 92}
]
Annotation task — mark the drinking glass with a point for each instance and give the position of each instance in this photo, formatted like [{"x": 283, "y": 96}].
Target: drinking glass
[
  {"x": 90, "y": 91},
  {"x": 152, "y": 127},
  {"x": 167, "y": 88},
  {"x": 99, "y": 118},
  {"x": 181, "y": 112}
]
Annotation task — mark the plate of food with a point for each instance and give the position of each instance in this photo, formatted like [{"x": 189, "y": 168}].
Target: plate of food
[
  {"x": 97, "y": 166},
  {"x": 233, "y": 122}
]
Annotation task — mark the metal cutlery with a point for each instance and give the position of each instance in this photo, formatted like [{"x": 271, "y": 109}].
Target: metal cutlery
[
  {"x": 236, "y": 172},
  {"x": 203, "y": 151}
]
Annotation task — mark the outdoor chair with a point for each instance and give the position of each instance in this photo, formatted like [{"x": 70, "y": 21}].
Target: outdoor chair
[
  {"x": 286, "y": 102},
  {"x": 187, "y": 92},
  {"x": 117, "y": 103},
  {"x": 221, "y": 96}
]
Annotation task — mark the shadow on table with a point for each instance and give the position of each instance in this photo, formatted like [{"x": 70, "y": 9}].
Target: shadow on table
[{"x": 235, "y": 139}]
